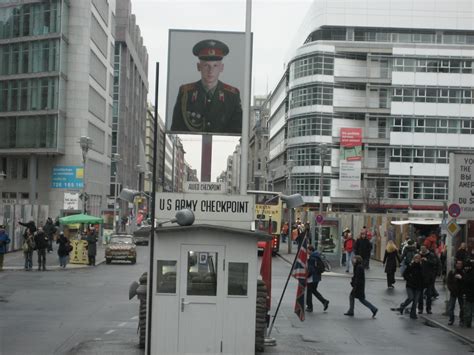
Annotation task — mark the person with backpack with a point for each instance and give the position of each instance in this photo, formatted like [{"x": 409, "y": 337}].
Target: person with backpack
[
  {"x": 4, "y": 240},
  {"x": 41, "y": 244},
  {"x": 390, "y": 259},
  {"x": 408, "y": 253},
  {"x": 349, "y": 249},
  {"x": 315, "y": 270},
  {"x": 63, "y": 250},
  {"x": 28, "y": 247}
]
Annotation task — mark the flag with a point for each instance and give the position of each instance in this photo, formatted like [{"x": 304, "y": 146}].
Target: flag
[
  {"x": 266, "y": 267},
  {"x": 300, "y": 273}
]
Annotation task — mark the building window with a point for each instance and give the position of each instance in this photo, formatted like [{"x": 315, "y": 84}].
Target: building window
[
  {"x": 398, "y": 189},
  {"x": 312, "y": 95},
  {"x": 319, "y": 64},
  {"x": 24, "y": 168},
  {"x": 313, "y": 125}
]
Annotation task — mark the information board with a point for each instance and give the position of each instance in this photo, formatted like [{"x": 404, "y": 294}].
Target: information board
[{"x": 461, "y": 183}]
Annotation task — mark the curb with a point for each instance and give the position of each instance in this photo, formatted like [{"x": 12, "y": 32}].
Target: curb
[
  {"x": 437, "y": 324},
  {"x": 53, "y": 268}
]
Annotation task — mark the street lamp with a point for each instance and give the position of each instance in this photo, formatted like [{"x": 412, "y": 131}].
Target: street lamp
[
  {"x": 272, "y": 174},
  {"x": 290, "y": 164},
  {"x": 322, "y": 153},
  {"x": 2, "y": 177},
  {"x": 115, "y": 159},
  {"x": 85, "y": 143}
]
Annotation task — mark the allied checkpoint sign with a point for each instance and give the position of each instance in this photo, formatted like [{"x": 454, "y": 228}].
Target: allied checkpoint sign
[
  {"x": 461, "y": 183},
  {"x": 205, "y": 187},
  {"x": 235, "y": 211}
]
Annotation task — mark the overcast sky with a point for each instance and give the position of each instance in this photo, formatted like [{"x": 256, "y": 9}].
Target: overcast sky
[{"x": 274, "y": 24}]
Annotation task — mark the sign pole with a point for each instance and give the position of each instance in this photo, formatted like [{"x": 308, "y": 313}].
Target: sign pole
[
  {"x": 244, "y": 147},
  {"x": 206, "y": 158}
]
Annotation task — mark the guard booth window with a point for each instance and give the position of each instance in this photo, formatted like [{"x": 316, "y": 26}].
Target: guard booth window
[
  {"x": 202, "y": 273},
  {"x": 238, "y": 279},
  {"x": 166, "y": 276}
]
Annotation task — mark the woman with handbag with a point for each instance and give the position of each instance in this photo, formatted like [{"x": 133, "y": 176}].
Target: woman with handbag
[{"x": 63, "y": 250}]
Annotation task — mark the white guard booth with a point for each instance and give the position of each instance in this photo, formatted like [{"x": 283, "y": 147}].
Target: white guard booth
[{"x": 205, "y": 289}]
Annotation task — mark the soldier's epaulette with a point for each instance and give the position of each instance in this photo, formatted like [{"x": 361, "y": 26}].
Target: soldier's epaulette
[
  {"x": 231, "y": 89},
  {"x": 188, "y": 87}
]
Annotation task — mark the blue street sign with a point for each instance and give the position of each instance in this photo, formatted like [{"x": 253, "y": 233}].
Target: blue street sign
[{"x": 67, "y": 177}]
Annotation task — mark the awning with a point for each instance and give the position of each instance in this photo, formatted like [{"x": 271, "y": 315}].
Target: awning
[{"x": 424, "y": 221}]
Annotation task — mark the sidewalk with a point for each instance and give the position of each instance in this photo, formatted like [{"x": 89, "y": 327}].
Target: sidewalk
[
  {"x": 16, "y": 261},
  {"x": 376, "y": 272}
]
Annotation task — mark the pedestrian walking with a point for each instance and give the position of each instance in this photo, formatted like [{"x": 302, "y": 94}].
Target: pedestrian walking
[
  {"x": 50, "y": 230},
  {"x": 455, "y": 282},
  {"x": 284, "y": 232},
  {"x": 363, "y": 247},
  {"x": 358, "y": 288},
  {"x": 41, "y": 244},
  {"x": 4, "y": 240},
  {"x": 468, "y": 290},
  {"x": 390, "y": 259},
  {"x": 28, "y": 248},
  {"x": 349, "y": 248},
  {"x": 429, "y": 266},
  {"x": 63, "y": 250},
  {"x": 343, "y": 240},
  {"x": 92, "y": 246},
  {"x": 315, "y": 270},
  {"x": 413, "y": 275}
]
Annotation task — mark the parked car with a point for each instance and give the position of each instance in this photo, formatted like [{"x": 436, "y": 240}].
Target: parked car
[
  {"x": 142, "y": 235},
  {"x": 121, "y": 247}
]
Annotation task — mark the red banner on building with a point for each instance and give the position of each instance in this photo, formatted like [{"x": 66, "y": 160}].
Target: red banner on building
[{"x": 351, "y": 137}]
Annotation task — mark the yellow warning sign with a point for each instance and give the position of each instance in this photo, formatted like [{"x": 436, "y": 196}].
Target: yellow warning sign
[
  {"x": 78, "y": 254},
  {"x": 453, "y": 228}
]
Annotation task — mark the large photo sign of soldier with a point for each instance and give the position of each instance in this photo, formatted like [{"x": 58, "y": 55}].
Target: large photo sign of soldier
[{"x": 205, "y": 78}]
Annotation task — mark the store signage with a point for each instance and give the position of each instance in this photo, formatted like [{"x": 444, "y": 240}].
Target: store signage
[
  {"x": 224, "y": 210},
  {"x": 349, "y": 175},
  {"x": 461, "y": 183},
  {"x": 71, "y": 201}
]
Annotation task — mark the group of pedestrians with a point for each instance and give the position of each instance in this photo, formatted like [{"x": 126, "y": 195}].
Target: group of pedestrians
[
  {"x": 315, "y": 268},
  {"x": 361, "y": 247},
  {"x": 420, "y": 264}
]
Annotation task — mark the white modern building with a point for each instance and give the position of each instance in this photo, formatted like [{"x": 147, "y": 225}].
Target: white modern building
[{"x": 400, "y": 71}]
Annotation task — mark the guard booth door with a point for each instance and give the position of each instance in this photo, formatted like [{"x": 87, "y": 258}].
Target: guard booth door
[{"x": 201, "y": 294}]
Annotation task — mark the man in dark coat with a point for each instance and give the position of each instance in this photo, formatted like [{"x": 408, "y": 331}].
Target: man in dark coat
[
  {"x": 49, "y": 230},
  {"x": 314, "y": 277},
  {"x": 468, "y": 290},
  {"x": 429, "y": 266},
  {"x": 29, "y": 225},
  {"x": 41, "y": 244},
  {"x": 92, "y": 246},
  {"x": 208, "y": 105},
  {"x": 455, "y": 281},
  {"x": 413, "y": 275},
  {"x": 363, "y": 247},
  {"x": 358, "y": 288}
]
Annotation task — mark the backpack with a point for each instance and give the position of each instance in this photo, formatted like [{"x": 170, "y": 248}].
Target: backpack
[{"x": 319, "y": 265}]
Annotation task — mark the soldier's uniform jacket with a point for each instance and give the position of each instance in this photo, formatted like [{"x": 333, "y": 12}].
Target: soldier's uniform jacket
[{"x": 194, "y": 111}]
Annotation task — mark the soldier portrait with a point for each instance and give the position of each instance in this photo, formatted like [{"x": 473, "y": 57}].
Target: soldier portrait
[{"x": 208, "y": 105}]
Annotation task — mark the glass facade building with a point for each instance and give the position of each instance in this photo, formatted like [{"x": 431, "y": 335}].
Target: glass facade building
[
  {"x": 407, "y": 87},
  {"x": 32, "y": 46}
]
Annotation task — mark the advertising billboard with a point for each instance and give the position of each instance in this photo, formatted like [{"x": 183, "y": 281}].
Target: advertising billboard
[
  {"x": 350, "y": 160},
  {"x": 67, "y": 177},
  {"x": 205, "y": 82}
]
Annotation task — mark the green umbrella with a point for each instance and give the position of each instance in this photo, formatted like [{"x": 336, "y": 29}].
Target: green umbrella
[{"x": 81, "y": 218}]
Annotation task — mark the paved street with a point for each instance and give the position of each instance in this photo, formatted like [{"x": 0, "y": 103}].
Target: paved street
[
  {"x": 87, "y": 311},
  {"x": 73, "y": 311}
]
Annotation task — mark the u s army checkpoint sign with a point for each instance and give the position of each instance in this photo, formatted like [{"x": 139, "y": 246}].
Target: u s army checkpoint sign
[{"x": 216, "y": 209}]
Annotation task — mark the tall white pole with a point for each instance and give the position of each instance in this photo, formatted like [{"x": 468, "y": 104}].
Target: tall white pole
[{"x": 246, "y": 101}]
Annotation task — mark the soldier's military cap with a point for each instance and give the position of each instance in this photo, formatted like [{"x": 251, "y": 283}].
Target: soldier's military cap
[{"x": 210, "y": 49}]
